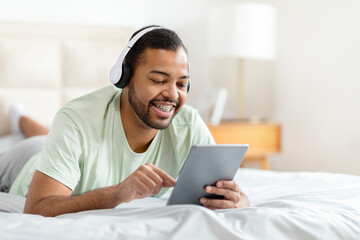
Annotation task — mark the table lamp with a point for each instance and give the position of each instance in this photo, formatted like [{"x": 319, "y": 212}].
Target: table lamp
[{"x": 242, "y": 31}]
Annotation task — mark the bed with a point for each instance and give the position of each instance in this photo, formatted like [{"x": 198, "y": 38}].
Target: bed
[
  {"x": 73, "y": 60},
  {"x": 284, "y": 205}
]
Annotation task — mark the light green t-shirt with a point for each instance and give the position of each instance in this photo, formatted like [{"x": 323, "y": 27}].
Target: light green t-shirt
[{"x": 86, "y": 147}]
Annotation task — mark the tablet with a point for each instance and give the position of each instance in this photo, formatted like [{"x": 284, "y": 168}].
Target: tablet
[{"x": 204, "y": 166}]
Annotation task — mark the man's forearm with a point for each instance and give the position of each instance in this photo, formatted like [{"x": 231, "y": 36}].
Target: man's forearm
[{"x": 56, "y": 205}]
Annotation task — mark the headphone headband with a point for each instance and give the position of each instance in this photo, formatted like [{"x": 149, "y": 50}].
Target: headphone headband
[{"x": 116, "y": 70}]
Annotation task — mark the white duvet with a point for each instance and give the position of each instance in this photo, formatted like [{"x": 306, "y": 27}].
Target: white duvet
[{"x": 283, "y": 206}]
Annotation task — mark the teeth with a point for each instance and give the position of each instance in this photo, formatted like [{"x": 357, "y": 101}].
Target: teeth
[{"x": 164, "y": 108}]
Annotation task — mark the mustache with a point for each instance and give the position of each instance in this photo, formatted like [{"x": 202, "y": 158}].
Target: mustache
[{"x": 166, "y": 100}]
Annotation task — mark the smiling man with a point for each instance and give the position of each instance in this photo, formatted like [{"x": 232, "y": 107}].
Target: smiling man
[{"x": 116, "y": 145}]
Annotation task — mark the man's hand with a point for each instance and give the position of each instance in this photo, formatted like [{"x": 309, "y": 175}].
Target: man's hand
[
  {"x": 147, "y": 180},
  {"x": 233, "y": 197}
]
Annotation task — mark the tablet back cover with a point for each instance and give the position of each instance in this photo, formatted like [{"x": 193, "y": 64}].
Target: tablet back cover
[{"x": 205, "y": 165}]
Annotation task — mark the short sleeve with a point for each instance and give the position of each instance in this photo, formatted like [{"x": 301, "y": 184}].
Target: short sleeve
[{"x": 60, "y": 158}]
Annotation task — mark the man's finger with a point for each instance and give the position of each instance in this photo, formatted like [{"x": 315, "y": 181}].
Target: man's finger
[
  {"x": 217, "y": 203},
  {"x": 227, "y": 193},
  {"x": 232, "y": 185},
  {"x": 142, "y": 189},
  {"x": 156, "y": 178},
  {"x": 168, "y": 181},
  {"x": 148, "y": 182},
  {"x": 212, "y": 208}
]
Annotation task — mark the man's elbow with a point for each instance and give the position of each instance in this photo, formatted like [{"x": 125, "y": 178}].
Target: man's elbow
[{"x": 38, "y": 208}]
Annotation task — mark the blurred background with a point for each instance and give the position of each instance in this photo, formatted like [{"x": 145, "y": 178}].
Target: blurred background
[{"x": 282, "y": 74}]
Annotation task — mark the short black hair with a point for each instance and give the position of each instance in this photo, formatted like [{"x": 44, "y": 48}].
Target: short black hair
[{"x": 161, "y": 38}]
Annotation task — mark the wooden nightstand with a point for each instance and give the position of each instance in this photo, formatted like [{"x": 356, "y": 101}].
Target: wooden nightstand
[{"x": 263, "y": 138}]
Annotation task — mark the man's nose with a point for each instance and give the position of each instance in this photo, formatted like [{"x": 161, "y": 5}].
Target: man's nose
[{"x": 171, "y": 91}]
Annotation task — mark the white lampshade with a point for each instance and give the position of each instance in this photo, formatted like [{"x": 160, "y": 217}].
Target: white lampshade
[{"x": 244, "y": 30}]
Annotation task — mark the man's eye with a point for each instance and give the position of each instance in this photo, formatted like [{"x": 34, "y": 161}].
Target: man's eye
[
  {"x": 156, "y": 81},
  {"x": 182, "y": 85}
]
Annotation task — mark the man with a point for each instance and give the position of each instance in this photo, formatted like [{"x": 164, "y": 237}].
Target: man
[{"x": 113, "y": 146}]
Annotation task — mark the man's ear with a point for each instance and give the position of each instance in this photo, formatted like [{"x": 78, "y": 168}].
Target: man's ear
[{"x": 125, "y": 76}]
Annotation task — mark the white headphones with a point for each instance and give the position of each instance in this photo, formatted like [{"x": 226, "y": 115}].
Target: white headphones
[{"x": 120, "y": 73}]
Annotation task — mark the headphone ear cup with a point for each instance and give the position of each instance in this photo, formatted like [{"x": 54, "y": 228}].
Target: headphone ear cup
[
  {"x": 125, "y": 76},
  {"x": 188, "y": 86}
]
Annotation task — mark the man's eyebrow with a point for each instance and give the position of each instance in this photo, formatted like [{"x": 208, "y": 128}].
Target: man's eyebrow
[
  {"x": 160, "y": 72},
  {"x": 168, "y": 75},
  {"x": 184, "y": 77}
]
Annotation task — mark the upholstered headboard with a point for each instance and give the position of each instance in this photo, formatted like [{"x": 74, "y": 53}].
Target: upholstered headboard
[{"x": 46, "y": 65}]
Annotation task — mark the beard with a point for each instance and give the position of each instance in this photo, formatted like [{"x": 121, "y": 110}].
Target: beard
[{"x": 143, "y": 111}]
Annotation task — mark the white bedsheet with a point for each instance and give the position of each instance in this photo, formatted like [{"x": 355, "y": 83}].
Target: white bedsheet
[{"x": 283, "y": 206}]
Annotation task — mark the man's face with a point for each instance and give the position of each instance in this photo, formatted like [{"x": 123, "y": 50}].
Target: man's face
[{"x": 158, "y": 88}]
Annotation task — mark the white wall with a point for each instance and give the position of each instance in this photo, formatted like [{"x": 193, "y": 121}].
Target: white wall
[
  {"x": 130, "y": 13},
  {"x": 318, "y": 85}
]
